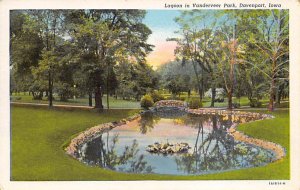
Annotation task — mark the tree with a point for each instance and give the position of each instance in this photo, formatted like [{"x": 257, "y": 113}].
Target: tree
[
  {"x": 198, "y": 46},
  {"x": 25, "y": 47},
  {"x": 135, "y": 80},
  {"x": 49, "y": 24},
  {"x": 105, "y": 37},
  {"x": 177, "y": 77},
  {"x": 273, "y": 42}
]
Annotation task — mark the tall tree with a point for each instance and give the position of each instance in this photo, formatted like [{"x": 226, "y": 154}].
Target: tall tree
[
  {"x": 49, "y": 22},
  {"x": 105, "y": 37},
  {"x": 25, "y": 47},
  {"x": 197, "y": 45},
  {"x": 273, "y": 42}
]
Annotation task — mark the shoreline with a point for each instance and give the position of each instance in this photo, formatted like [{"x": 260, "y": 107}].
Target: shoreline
[{"x": 73, "y": 149}]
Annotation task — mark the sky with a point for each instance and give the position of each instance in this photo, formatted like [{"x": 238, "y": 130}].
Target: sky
[{"x": 163, "y": 26}]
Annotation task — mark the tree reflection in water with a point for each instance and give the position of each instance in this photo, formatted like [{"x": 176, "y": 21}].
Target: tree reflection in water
[
  {"x": 147, "y": 122},
  {"x": 98, "y": 152},
  {"x": 213, "y": 149},
  {"x": 217, "y": 151}
]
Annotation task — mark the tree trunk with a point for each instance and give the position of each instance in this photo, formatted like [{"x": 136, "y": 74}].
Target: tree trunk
[
  {"x": 90, "y": 99},
  {"x": 213, "y": 97},
  {"x": 272, "y": 94},
  {"x": 231, "y": 79},
  {"x": 107, "y": 100},
  {"x": 98, "y": 97},
  {"x": 50, "y": 85},
  {"x": 279, "y": 94},
  {"x": 107, "y": 88},
  {"x": 272, "y": 86},
  {"x": 230, "y": 100},
  {"x": 198, "y": 81}
]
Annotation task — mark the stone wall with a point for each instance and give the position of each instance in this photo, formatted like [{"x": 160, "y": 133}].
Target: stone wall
[{"x": 91, "y": 133}]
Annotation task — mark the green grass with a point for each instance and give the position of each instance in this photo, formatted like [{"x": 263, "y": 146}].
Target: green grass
[
  {"x": 131, "y": 104},
  {"x": 38, "y": 136},
  {"x": 113, "y": 103}
]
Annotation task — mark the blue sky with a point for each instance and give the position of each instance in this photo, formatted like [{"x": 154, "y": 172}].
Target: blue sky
[{"x": 163, "y": 26}]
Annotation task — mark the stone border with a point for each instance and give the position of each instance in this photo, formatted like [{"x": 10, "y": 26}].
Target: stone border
[
  {"x": 239, "y": 136},
  {"x": 76, "y": 143},
  {"x": 228, "y": 112},
  {"x": 276, "y": 148},
  {"x": 170, "y": 103}
]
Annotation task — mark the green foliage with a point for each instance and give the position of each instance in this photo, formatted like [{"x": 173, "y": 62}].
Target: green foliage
[
  {"x": 176, "y": 98},
  {"x": 43, "y": 59},
  {"x": 147, "y": 101},
  {"x": 243, "y": 51},
  {"x": 236, "y": 105},
  {"x": 194, "y": 104},
  {"x": 176, "y": 77},
  {"x": 254, "y": 103},
  {"x": 156, "y": 96},
  {"x": 135, "y": 80},
  {"x": 65, "y": 91}
]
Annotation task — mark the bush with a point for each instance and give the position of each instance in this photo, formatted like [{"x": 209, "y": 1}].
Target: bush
[
  {"x": 219, "y": 99},
  {"x": 195, "y": 104},
  {"x": 37, "y": 96},
  {"x": 254, "y": 103},
  {"x": 147, "y": 101},
  {"x": 236, "y": 105},
  {"x": 176, "y": 98},
  {"x": 156, "y": 96}
]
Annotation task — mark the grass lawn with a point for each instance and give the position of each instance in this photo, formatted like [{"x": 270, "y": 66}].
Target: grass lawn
[
  {"x": 113, "y": 103},
  {"x": 131, "y": 104},
  {"x": 38, "y": 136}
]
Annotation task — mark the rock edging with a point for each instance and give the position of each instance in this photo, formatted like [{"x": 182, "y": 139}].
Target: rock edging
[
  {"x": 170, "y": 103},
  {"x": 76, "y": 143},
  {"x": 239, "y": 136},
  {"x": 276, "y": 148},
  {"x": 228, "y": 112}
]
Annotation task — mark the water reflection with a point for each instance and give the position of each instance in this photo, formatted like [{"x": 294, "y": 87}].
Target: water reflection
[
  {"x": 218, "y": 151},
  {"x": 213, "y": 149},
  {"x": 104, "y": 154},
  {"x": 147, "y": 122}
]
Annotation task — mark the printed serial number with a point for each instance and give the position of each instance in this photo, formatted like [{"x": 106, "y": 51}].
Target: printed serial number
[{"x": 276, "y": 183}]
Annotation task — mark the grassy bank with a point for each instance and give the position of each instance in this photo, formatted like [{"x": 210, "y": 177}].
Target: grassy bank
[
  {"x": 39, "y": 134},
  {"x": 113, "y": 102},
  {"x": 132, "y": 104}
]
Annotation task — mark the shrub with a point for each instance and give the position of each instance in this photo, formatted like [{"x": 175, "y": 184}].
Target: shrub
[
  {"x": 176, "y": 98},
  {"x": 147, "y": 101},
  {"x": 195, "y": 104},
  {"x": 254, "y": 103},
  {"x": 219, "y": 99},
  {"x": 156, "y": 96},
  {"x": 236, "y": 105},
  {"x": 180, "y": 98},
  {"x": 37, "y": 96}
]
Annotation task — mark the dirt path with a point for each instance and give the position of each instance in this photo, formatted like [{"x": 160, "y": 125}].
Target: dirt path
[{"x": 55, "y": 106}]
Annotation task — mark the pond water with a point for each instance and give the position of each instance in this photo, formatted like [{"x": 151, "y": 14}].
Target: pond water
[{"x": 212, "y": 149}]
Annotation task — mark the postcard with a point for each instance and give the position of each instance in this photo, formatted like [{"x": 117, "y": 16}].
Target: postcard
[{"x": 135, "y": 94}]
